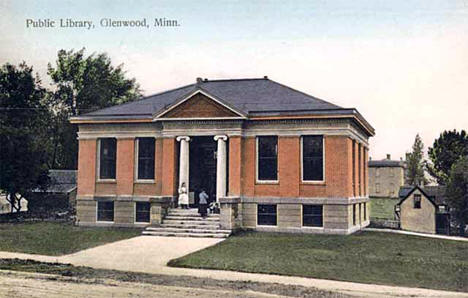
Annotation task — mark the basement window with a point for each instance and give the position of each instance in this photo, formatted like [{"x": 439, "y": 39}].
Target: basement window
[
  {"x": 417, "y": 201},
  {"x": 365, "y": 211},
  {"x": 354, "y": 214},
  {"x": 142, "y": 212},
  {"x": 267, "y": 158},
  {"x": 107, "y": 158},
  {"x": 145, "y": 165},
  {"x": 105, "y": 211},
  {"x": 312, "y": 158},
  {"x": 312, "y": 215},
  {"x": 266, "y": 215}
]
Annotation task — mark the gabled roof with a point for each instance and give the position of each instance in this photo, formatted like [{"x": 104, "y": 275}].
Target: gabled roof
[
  {"x": 61, "y": 181},
  {"x": 250, "y": 97},
  {"x": 436, "y": 193}
]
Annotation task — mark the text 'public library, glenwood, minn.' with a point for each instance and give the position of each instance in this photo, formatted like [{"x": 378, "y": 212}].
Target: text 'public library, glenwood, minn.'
[{"x": 274, "y": 158}]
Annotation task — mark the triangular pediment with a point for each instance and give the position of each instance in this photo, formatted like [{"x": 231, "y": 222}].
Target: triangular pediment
[{"x": 199, "y": 105}]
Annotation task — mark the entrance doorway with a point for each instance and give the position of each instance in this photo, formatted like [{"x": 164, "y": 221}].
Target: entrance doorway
[{"x": 202, "y": 170}]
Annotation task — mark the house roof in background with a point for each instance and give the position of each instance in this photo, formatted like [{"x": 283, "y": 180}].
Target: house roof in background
[
  {"x": 252, "y": 97},
  {"x": 386, "y": 163},
  {"x": 434, "y": 192},
  {"x": 61, "y": 181}
]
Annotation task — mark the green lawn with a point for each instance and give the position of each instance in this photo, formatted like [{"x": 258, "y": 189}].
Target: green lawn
[
  {"x": 367, "y": 257},
  {"x": 56, "y": 239},
  {"x": 383, "y": 207}
]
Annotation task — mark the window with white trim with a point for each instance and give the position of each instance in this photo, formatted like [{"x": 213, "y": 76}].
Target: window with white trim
[
  {"x": 107, "y": 158},
  {"x": 266, "y": 215},
  {"x": 267, "y": 158},
  {"x": 142, "y": 212},
  {"x": 145, "y": 158},
  {"x": 312, "y": 215},
  {"x": 312, "y": 158},
  {"x": 105, "y": 211}
]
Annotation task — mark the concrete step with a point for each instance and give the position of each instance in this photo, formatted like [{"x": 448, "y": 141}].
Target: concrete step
[
  {"x": 176, "y": 234},
  {"x": 190, "y": 214},
  {"x": 191, "y": 222},
  {"x": 191, "y": 226},
  {"x": 199, "y": 218},
  {"x": 187, "y": 230}
]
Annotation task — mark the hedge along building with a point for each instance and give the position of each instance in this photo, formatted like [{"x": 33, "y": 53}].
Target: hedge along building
[{"x": 274, "y": 158}]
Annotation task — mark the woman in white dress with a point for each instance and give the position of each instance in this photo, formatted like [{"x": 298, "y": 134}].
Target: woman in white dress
[{"x": 183, "y": 196}]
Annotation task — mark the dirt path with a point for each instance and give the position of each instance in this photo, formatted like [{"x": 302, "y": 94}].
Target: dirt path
[{"x": 22, "y": 284}]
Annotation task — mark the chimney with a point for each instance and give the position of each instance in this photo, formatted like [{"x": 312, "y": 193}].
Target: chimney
[
  {"x": 199, "y": 81},
  {"x": 388, "y": 156},
  {"x": 265, "y": 77}
]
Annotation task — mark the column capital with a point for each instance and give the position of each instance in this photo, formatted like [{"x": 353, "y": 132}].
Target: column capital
[
  {"x": 221, "y": 137},
  {"x": 183, "y": 138}
]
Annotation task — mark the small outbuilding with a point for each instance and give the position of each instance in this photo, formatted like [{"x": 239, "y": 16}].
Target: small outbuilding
[
  {"x": 60, "y": 193},
  {"x": 423, "y": 209}
]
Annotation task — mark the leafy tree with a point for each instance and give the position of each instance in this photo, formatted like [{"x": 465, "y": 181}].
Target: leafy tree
[
  {"x": 23, "y": 116},
  {"x": 446, "y": 150},
  {"x": 457, "y": 192},
  {"x": 415, "y": 164},
  {"x": 83, "y": 84}
]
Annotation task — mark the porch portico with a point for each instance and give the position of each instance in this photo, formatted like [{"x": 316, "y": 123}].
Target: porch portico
[{"x": 221, "y": 163}]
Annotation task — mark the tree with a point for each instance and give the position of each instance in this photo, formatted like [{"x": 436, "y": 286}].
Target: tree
[
  {"x": 83, "y": 84},
  {"x": 23, "y": 116},
  {"x": 415, "y": 163},
  {"x": 447, "y": 149},
  {"x": 457, "y": 192}
]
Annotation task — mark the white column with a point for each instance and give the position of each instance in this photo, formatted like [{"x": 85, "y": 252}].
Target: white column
[
  {"x": 221, "y": 160},
  {"x": 184, "y": 161}
]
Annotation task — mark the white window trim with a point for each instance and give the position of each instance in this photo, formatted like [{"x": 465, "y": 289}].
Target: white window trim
[
  {"x": 310, "y": 227},
  {"x": 258, "y": 181},
  {"x": 104, "y": 221},
  {"x": 302, "y": 162},
  {"x": 134, "y": 215},
  {"x": 267, "y": 226},
  {"x": 135, "y": 174},
  {"x": 98, "y": 162}
]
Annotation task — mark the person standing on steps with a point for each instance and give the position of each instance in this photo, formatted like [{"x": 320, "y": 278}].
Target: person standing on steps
[
  {"x": 203, "y": 203},
  {"x": 183, "y": 196}
]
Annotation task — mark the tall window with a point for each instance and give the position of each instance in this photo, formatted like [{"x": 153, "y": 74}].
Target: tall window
[
  {"x": 312, "y": 158},
  {"x": 417, "y": 201},
  {"x": 364, "y": 171},
  {"x": 359, "y": 169},
  {"x": 312, "y": 215},
  {"x": 267, "y": 158},
  {"x": 105, "y": 211},
  {"x": 354, "y": 167},
  {"x": 107, "y": 157},
  {"x": 142, "y": 211},
  {"x": 145, "y": 158},
  {"x": 266, "y": 215}
]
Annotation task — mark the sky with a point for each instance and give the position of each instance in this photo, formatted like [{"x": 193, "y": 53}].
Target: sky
[{"x": 402, "y": 64}]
